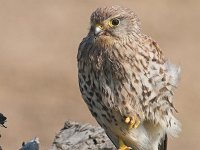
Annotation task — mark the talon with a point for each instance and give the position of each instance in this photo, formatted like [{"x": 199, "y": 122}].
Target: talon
[
  {"x": 127, "y": 120},
  {"x": 122, "y": 145},
  {"x": 133, "y": 122},
  {"x": 137, "y": 123}
]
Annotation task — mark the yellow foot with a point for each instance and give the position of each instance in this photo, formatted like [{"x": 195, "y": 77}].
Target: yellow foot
[
  {"x": 122, "y": 146},
  {"x": 133, "y": 122}
]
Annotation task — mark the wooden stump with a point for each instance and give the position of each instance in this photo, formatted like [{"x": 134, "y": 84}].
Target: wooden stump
[{"x": 79, "y": 136}]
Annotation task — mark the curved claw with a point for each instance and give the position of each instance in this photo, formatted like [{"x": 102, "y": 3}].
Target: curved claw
[
  {"x": 133, "y": 122},
  {"x": 122, "y": 145}
]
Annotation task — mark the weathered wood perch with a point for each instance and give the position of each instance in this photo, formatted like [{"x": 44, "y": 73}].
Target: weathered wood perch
[{"x": 79, "y": 136}]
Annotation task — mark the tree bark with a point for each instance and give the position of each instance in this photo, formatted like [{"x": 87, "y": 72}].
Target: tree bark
[{"x": 79, "y": 136}]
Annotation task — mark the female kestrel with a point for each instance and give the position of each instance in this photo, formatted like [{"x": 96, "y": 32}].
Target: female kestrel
[{"x": 126, "y": 81}]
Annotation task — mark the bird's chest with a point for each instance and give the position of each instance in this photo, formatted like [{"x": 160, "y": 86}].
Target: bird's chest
[
  {"x": 97, "y": 91},
  {"x": 95, "y": 88}
]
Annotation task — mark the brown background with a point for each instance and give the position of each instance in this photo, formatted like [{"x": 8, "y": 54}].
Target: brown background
[{"x": 38, "y": 73}]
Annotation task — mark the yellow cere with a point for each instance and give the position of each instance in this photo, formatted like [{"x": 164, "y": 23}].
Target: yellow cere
[{"x": 99, "y": 26}]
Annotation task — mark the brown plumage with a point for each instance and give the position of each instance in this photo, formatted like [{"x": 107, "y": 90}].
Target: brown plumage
[{"x": 126, "y": 81}]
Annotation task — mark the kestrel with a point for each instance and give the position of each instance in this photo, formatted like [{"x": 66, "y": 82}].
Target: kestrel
[{"x": 126, "y": 81}]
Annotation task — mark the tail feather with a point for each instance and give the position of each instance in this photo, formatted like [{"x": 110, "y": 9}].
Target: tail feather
[{"x": 163, "y": 143}]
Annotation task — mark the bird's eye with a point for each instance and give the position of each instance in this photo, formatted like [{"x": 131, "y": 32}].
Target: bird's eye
[{"x": 114, "y": 22}]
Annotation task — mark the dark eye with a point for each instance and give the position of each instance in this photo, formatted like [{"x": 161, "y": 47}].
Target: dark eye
[{"x": 114, "y": 22}]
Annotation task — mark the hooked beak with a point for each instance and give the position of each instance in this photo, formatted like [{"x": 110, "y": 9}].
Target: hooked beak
[{"x": 99, "y": 29}]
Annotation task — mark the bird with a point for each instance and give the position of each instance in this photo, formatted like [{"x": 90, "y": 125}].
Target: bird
[{"x": 126, "y": 81}]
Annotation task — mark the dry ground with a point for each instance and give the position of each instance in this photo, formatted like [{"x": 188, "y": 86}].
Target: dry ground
[{"x": 38, "y": 73}]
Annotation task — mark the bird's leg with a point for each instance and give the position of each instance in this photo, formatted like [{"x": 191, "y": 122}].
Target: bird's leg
[
  {"x": 133, "y": 122},
  {"x": 122, "y": 145}
]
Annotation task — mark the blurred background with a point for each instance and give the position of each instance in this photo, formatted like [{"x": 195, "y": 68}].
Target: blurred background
[{"x": 38, "y": 70}]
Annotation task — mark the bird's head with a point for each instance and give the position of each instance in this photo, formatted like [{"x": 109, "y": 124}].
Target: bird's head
[{"x": 113, "y": 22}]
